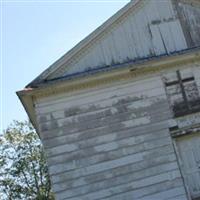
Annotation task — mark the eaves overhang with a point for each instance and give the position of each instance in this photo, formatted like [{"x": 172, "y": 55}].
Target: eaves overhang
[
  {"x": 61, "y": 64},
  {"x": 104, "y": 77},
  {"x": 129, "y": 64}
]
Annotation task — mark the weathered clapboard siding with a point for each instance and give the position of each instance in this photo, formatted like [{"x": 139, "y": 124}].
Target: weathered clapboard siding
[
  {"x": 150, "y": 191},
  {"x": 151, "y": 30},
  {"x": 101, "y": 139},
  {"x": 132, "y": 100},
  {"x": 122, "y": 188},
  {"x": 109, "y": 92},
  {"x": 99, "y": 155},
  {"x": 87, "y": 177},
  {"x": 93, "y": 138},
  {"x": 127, "y": 113},
  {"x": 99, "y": 150},
  {"x": 166, "y": 194},
  {"x": 109, "y": 131},
  {"x": 135, "y": 192},
  {"x": 115, "y": 108},
  {"x": 97, "y": 164},
  {"x": 109, "y": 145},
  {"x": 122, "y": 182},
  {"x": 104, "y": 110},
  {"x": 130, "y": 93}
]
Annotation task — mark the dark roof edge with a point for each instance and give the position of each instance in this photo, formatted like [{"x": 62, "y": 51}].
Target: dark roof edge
[{"x": 108, "y": 68}]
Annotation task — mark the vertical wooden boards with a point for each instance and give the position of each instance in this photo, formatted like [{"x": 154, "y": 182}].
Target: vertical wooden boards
[
  {"x": 168, "y": 36},
  {"x": 152, "y": 29},
  {"x": 158, "y": 43},
  {"x": 177, "y": 34},
  {"x": 190, "y": 15}
]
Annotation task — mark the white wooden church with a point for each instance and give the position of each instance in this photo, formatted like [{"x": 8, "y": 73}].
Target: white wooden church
[{"x": 119, "y": 114}]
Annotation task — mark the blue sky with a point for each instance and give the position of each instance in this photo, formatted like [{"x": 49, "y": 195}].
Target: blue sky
[{"x": 35, "y": 34}]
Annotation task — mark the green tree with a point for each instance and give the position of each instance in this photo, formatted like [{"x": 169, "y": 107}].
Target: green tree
[{"x": 23, "y": 168}]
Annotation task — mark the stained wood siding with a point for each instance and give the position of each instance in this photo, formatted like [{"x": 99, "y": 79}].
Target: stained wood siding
[
  {"x": 112, "y": 143},
  {"x": 152, "y": 29}
]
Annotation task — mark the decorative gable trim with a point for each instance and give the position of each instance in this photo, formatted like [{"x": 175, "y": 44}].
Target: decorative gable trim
[
  {"x": 61, "y": 63},
  {"x": 106, "y": 77},
  {"x": 74, "y": 59}
]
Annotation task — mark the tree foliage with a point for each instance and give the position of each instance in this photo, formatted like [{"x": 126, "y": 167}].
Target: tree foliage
[{"x": 23, "y": 168}]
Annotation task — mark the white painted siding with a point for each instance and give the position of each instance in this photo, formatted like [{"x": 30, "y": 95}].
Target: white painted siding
[{"x": 113, "y": 143}]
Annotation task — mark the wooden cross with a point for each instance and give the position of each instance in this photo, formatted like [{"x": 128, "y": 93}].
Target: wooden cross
[{"x": 181, "y": 82}]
